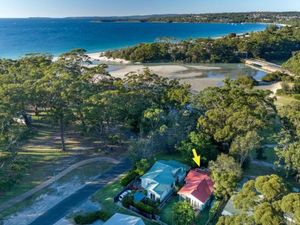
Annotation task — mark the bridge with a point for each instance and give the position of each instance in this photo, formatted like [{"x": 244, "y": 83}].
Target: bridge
[{"x": 266, "y": 66}]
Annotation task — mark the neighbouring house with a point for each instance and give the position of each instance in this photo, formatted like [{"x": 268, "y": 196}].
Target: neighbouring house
[
  {"x": 198, "y": 189},
  {"x": 229, "y": 209},
  {"x": 122, "y": 219},
  {"x": 160, "y": 180}
]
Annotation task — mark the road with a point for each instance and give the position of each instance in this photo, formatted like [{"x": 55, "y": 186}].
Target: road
[
  {"x": 53, "y": 179},
  {"x": 60, "y": 210}
]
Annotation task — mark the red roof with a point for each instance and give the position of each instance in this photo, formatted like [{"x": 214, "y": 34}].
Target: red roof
[{"x": 199, "y": 185}]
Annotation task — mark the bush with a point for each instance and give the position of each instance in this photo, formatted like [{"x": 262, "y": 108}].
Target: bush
[
  {"x": 127, "y": 201},
  {"x": 142, "y": 166},
  {"x": 114, "y": 139},
  {"x": 246, "y": 81},
  {"x": 274, "y": 77},
  {"x": 214, "y": 208},
  {"x": 91, "y": 217},
  {"x": 131, "y": 175},
  {"x": 144, "y": 208},
  {"x": 152, "y": 203},
  {"x": 11, "y": 172}
]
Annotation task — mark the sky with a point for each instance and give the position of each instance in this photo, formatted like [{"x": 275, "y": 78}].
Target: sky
[{"x": 66, "y": 8}]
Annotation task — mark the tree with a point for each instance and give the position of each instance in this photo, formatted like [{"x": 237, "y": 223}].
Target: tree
[
  {"x": 232, "y": 111},
  {"x": 202, "y": 143},
  {"x": 183, "y": 213},
  {"x": 268, "y": 188},
  {"x": 290, "y": 205},
  {"x": 242, "y": 146},
  {"x": 264, "y": 199},
  {"x": 293, "y": 64},
  {"x": 142, "y": 166},
  {"x": 236, "y": 220},
  {"x": 246, "y": 198},
  {"x": 225, "y": 173},
  {"x": 60, "y": 84},
  {"x": 246, "y": 81},
  {"x": 289, "y": 145},
  {"x": 266, "y": 214}
]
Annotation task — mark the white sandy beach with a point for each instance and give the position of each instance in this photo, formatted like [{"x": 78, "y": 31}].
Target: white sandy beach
[{"x": 98, "y": 57}]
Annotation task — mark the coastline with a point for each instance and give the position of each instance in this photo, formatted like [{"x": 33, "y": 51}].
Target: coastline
[{"x": 105, "y": 44}]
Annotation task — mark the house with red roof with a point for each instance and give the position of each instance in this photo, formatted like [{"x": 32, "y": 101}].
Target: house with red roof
[{"x": 198, "y": 189}]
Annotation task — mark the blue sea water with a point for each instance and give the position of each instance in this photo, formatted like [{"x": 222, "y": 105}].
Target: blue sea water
[{"x": 55, "y": 36}]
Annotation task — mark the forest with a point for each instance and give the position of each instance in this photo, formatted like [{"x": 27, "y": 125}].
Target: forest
[{"x": 273, "y": 44}]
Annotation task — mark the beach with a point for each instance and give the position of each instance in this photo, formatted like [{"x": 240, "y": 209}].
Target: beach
[{"x": 99, "y": 56}]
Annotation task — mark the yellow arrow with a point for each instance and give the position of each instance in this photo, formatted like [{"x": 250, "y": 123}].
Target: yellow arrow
[{"x": 196, "y": 157}]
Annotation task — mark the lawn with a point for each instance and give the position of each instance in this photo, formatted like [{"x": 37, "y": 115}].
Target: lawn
[
  {"x": 105, "y": 196},
  {"x": 203, "y": 216},
  {"x": 170, "y": 156},
  {"x": 87, "y": 172},
  {"x": 166, "y": 214},
  {"x": 270, "y": 155},
  {"x": 284, "y": 100},
  {"x": 257, "y": 170}
]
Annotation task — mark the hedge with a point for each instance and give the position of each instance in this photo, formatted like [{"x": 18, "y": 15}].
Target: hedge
[
  {"x": 131, "y": 175},
  {"x": 144, "y": 208},
  {"x": 91, "y": 217},
  {"x": 127, "y": 201}
]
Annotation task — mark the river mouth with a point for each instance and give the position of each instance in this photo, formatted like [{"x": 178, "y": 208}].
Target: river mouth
[{"x": 199, "y": 76}]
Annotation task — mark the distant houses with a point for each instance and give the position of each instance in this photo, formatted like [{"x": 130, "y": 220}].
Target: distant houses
[
  {"x": 122, "y": 219},
  {"x": 198, "y": 189},
  {"x": 160, "y": 180}
]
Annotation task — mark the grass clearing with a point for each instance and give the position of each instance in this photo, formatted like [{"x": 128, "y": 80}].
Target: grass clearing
[
  {"x": 87, "y": 172},
  {"x": 203, "y": 216},
  {"x": 257, "y": 170},
  {"x": 45, "y": 157},
  {"x": 105, "y": 196},
  {"x": 171, "y": 156},
  {"x": 270, "y": 155},
  {"x": 166, "y": 213},
  {"x": 284, "y": 100}
]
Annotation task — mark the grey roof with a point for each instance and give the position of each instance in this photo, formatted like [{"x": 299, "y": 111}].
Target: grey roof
[
  {"x": 122, "y": 219},
  {"x": 164, "y": 171},
  {"x": 229, "y": 209}
]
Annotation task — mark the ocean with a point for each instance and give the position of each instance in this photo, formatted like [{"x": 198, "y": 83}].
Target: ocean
[{"x": 55, "y": 36}]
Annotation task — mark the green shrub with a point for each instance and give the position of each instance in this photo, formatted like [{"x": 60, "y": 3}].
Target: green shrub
[
  {"x": 274, "y": 77},
  {"x": 127, "y": 201},
  {"x": 12, "y": 171},
  {"x": 246, "y": 81},
  {"x": 214, "y": 208},
  {"x": 131, "y": 175},
  {"x": 91, "y": 217},
  {"x": 150, "y": 202},
  {"x": 142, "y": 166},
  {"x": 114, "y": 139},
  {"x": 297, "y": 96},
  {"x": 145, "y": 208}
]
